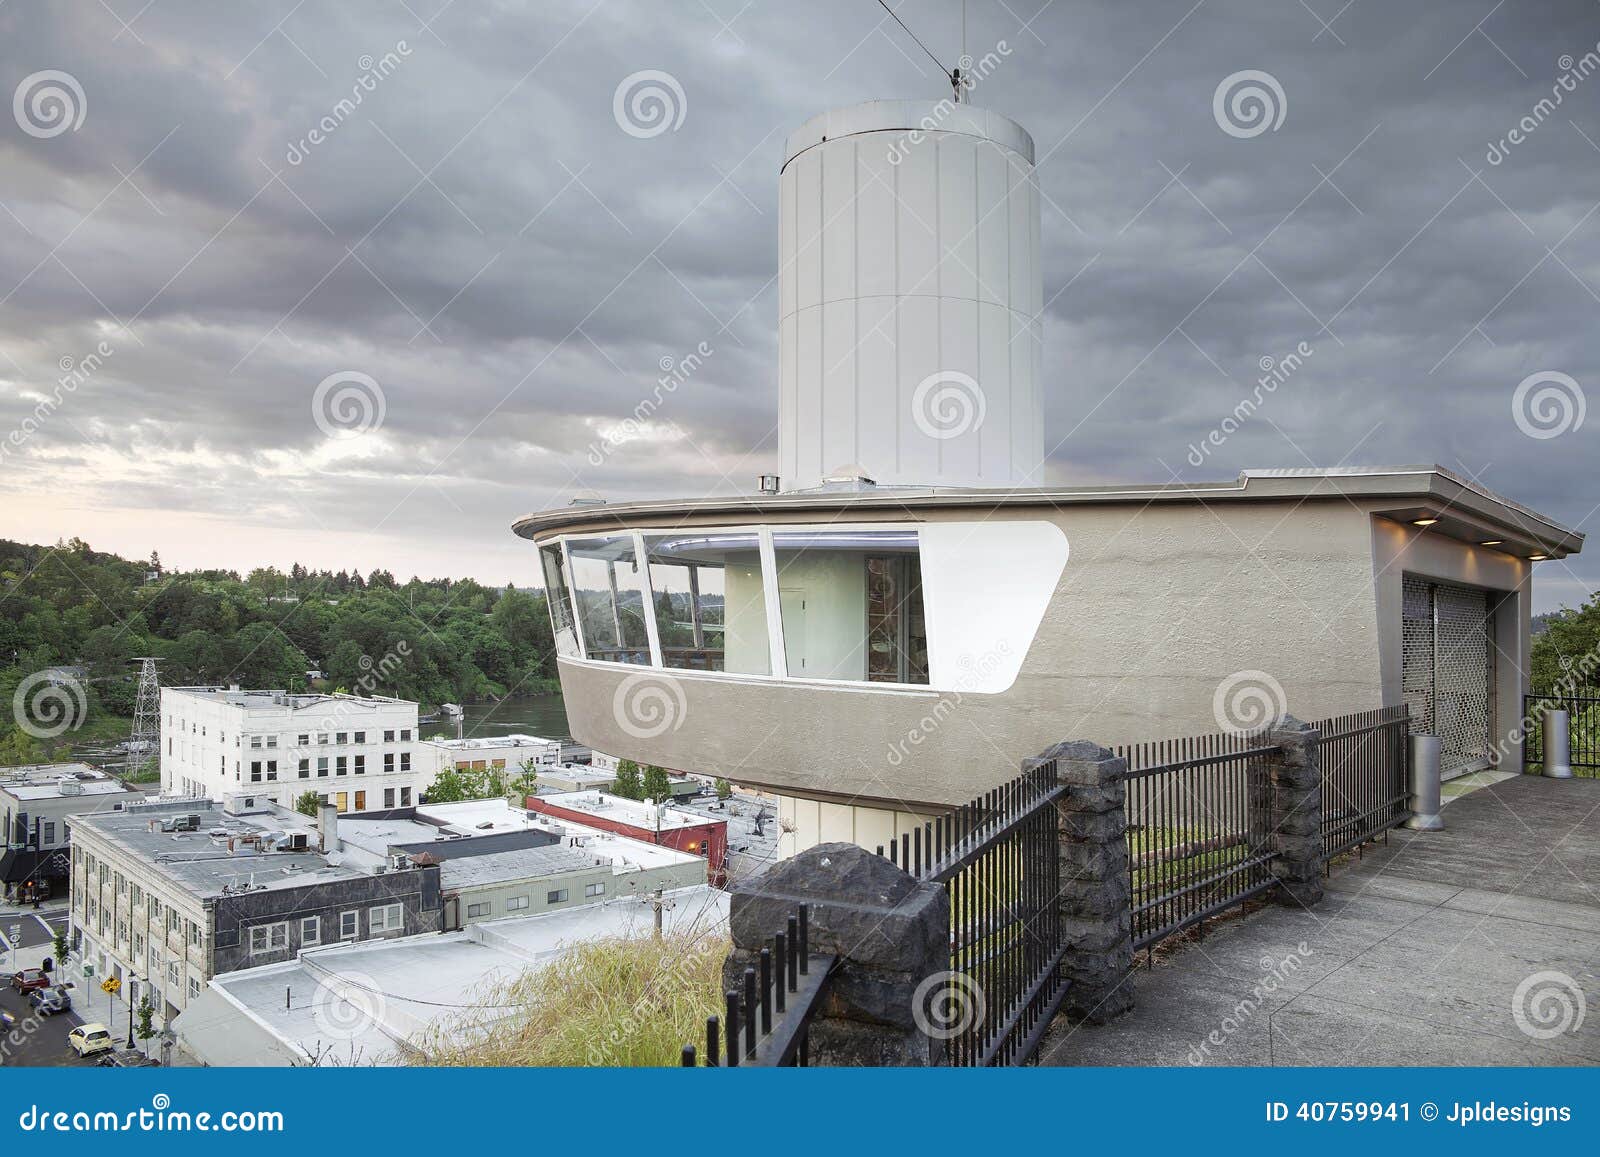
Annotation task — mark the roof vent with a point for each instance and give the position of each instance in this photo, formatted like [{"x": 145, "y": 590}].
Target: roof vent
[
  {"x": 587, "y": 498},
  {"x": 850, "y": 477}
]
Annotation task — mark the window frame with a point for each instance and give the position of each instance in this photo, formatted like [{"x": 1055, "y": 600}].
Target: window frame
[
  {"x": 387, "y": 910},
  {"x": 777, "y": 656},
  {"x": 271, "y": 930}
]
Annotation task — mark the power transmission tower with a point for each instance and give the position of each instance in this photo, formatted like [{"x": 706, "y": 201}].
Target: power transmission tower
[{"x": 145, "y": 742}]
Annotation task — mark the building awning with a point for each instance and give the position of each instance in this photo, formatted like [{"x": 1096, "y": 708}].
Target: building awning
[{"x": 20, "y": 864}]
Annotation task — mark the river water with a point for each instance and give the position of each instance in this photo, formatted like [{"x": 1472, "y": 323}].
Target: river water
[{"x": 544, "y": 715}]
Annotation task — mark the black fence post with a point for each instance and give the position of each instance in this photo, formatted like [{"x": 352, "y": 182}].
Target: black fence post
[
  {"x": 1296, "y": 810},
  {"x": 1096, "y": 898}
]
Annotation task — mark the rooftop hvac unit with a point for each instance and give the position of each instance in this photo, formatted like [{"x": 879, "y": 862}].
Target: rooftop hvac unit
[
  {"x": 298, "y": 841},
  {"x": 67, "y": 785}
]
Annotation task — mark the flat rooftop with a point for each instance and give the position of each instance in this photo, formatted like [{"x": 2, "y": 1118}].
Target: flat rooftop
[
  {"x": 1464, "y": 507},
  {"x": 278, "y": 700},
  {"x": 639, "y": 814},
  {"x": 200, "y": 863},
  {"x": 425, "y": 982},
  {"x": 485, "y": 742},
  {"x": 36, "y": 781}
]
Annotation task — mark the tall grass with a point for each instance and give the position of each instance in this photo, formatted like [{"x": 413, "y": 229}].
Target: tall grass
[{"x": 605, "y": 1002}]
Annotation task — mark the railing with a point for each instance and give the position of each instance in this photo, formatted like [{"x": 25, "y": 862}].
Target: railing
[
  {"x": 1583, "y": 728},
  {"x": 1198, "y": 829},
  {"x": 998, "y": 858},
  {"x": 1363, "y": 762},
  {"x": 769, "y": 1022}
]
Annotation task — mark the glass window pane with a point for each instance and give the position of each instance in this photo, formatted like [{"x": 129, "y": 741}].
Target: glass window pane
[
  {"x": 610, "y": 597},
  {"x": 560, "y": 600},
  {"x": 852, "y": 605},
  {"x": 711, "y": 605}
]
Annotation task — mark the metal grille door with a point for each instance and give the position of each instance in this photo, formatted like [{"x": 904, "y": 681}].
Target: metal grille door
[{"x": 1446, "y": 663}]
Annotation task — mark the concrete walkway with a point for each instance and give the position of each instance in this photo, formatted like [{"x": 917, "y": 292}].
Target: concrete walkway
[{"x": 1415, "y": 957}]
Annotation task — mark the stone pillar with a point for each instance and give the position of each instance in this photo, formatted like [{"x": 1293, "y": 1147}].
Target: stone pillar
[
  {"x": 890, "y": 932},
  {"x": 1096, "y": 911},
  {"x": 1296, "y": 811}
]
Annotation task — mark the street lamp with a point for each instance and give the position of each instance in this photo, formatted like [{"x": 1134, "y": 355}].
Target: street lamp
[{"x": 133, "y": 987}]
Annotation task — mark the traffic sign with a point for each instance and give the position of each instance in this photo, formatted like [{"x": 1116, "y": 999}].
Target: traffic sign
[{"x": 111, "y": 985}]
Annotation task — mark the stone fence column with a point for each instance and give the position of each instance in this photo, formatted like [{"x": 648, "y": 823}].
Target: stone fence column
[
  {"x": 1095, "y": 889},
  {"x": 890, "y": 932},
  {"x": 1295, "y": 811}
]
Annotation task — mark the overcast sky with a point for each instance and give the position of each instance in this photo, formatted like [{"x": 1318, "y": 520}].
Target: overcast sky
[{"x": 484, "y": 239}]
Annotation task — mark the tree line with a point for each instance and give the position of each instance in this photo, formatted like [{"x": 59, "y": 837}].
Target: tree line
[{"x": 434, "y": 641}]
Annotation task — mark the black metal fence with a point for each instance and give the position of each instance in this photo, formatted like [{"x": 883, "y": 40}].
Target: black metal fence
[
  {"x": 1583, "y": 728},
  {"x": 768, "y": 1018},
  {"x": 999, "y": 859},
  {"x": 1198, "y": 829},
  {"x": 1363, "y": 762}
]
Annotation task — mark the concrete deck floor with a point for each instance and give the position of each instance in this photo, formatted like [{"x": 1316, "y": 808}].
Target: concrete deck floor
[{"x": 1414, "y": 957}]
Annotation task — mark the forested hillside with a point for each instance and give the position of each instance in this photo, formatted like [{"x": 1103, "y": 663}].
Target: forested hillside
[{"x": 435, "y": 641}]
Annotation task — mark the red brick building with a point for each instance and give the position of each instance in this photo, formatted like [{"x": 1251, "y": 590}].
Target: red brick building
[{"x": 669, "y": 827}]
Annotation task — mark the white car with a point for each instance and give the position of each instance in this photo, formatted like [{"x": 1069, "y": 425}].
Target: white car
[{"x": 88, "y": 1039}]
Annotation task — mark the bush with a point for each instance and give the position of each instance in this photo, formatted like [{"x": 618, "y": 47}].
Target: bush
[{"x": 605, "y": 1002}]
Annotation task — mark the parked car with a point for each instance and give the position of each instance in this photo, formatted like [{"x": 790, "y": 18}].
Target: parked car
[
  {"x": 88, "y": 1039},
  {"x": 49, "y": 1001},
  {"x": 29, "y": 979}
]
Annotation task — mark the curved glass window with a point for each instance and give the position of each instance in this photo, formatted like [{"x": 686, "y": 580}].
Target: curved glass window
[
  {"x": 852, "y": 605},
  {"x": 710, "y": 601},
  {"x": 608, "y": 584},
  {"x": 559, "y": 598}
]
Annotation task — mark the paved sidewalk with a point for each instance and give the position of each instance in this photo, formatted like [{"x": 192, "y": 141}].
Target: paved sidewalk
[{"x": 1415, "y": 957}]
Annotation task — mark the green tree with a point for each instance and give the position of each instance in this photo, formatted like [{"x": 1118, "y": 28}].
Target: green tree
[
  {"x": 145, "y": 1026},
  {"x": 61, "y": 947},
  {"x": 655, "y": 785},
  {"x": 307, "y": 802},
  {"x": 724, "y": 789},
  {"x": 1567, "y": 653},
  {"x": 628, "y": 784}
]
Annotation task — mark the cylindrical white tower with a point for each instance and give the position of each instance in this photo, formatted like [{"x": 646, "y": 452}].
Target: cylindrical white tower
[{"x": 909, "y": 298}]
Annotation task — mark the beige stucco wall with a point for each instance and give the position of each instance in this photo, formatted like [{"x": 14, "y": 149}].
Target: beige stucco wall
[{"x": 1157, "y": 606}]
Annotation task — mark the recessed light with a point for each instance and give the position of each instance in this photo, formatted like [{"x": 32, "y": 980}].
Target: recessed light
[
  {"x": 1537, "y": 557},
  {"x": 1491, "y": 542},
  {"x": 1423, "y": 521}
]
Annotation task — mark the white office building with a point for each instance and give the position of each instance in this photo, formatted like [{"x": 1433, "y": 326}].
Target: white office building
[{"x": 360, "y": 753}]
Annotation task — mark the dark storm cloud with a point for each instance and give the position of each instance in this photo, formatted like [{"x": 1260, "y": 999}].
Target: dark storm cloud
[{"x": 482, "y": 238}]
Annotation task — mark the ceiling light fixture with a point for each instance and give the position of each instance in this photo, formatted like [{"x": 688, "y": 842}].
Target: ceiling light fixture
[{"x": 1423, "y": 521}]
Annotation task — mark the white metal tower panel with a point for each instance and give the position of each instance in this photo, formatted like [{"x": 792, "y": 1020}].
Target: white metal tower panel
[{"x": 909, "y": 298}]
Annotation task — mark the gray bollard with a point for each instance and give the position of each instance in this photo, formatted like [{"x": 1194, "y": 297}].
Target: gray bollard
[
  {"x": 1424, "y": 752},
  {"x": 1557, "y": 744}
]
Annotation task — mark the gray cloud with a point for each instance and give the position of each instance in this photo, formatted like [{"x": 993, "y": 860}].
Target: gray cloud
[{"x": 482, "y": 238}]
